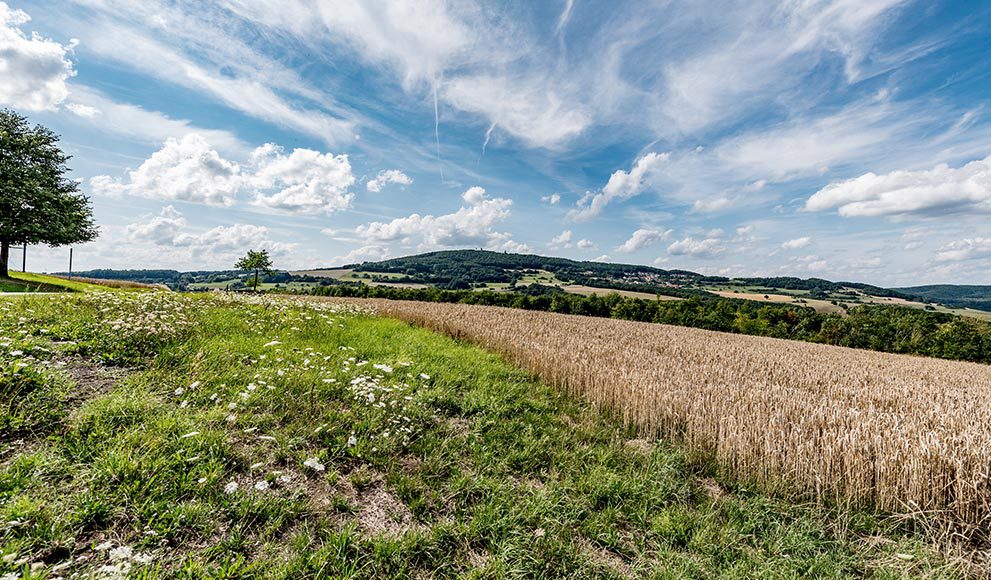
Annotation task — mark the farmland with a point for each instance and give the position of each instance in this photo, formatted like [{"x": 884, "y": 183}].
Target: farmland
[
  {"x": 884, "y": 430},
  {"x": 164, "y": 435}
]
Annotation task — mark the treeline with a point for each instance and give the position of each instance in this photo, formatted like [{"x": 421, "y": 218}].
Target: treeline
[
  {"x": 819, "y": 286},
  {"x": 876, "y": 327}
]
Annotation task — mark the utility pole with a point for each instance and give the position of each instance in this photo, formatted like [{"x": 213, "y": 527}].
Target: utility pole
[
  {"x": 70, "y": 263},
  {"x": 24, "y": 258}
]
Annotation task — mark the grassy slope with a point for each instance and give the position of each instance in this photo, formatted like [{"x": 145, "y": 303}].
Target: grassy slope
[
  {"x": 30, "y": 282},
  {"x": 500, "y": 477}
]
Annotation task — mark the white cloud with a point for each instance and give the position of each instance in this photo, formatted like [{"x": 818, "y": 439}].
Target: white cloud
[
  {"x": 193, "y": 50},
  {"x": 139, "y": 124},
  {"x": 307, "y": 181},
  {"x": 531, "y": 111},
  {"x": 940, "y": 190},
  {"x": 749, "y": 55},
  {"x": 504, "y": 242},
  {"x": 562, "y": 240},
  {"x": 370, "y": 253},
  {"x": 81, "y": 110},
  {"x": 794, "y": 244},
  {"x": 417, "y": 39},
  {"x": 388, "y": 176},
  {"x": 471, "y": 225},
  {"x": 621, "y": 185},
  {"x": 965, "y": 249},
  {"x": 602, "y": 258},
  {"x": 160, "y": 229},
  {"x": 711, "y": 205},
  {"x": 168, "y": 229},
  {"x": 699, "y": 248},
  {"x": 552, "y": 199},
  {"x": 586, "y": 244},
  {"x": 189, "y": 169},
  {"x": 641, "y": 239},
  {"x": 185, "y": 170},
  {"x": 34, "y": 69}
]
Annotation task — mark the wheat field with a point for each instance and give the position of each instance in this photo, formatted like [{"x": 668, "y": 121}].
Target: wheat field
[{"x": 903, "y": 434}]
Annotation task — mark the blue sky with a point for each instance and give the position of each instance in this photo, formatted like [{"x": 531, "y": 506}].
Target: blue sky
[{"x": 840, "y": 139}]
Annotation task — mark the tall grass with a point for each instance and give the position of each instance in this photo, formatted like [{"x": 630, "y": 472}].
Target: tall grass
[
  {"x": 901, "y": 433},
  {"x": 120, "y": 284}
]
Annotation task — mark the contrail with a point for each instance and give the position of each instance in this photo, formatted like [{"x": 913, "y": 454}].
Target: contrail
[
  {"x": 437, "y": 132},
  {"x": 488, "y": 134}
]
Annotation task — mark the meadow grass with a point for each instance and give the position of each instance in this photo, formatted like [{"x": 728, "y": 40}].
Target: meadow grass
[
  {"x": 31, "y": 282},
  {"x": 270, "y": 438}
]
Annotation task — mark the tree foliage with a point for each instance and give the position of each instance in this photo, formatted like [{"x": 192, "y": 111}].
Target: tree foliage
[
  {"x": 257, "y": 261},
  {"x": 38, "y": 203}
]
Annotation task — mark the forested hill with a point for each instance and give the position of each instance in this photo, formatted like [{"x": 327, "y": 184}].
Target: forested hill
[
  {"x": 960, "y": 296},
  {"x": 474, "y": 266},
  {"x": 486, "y": 266}
]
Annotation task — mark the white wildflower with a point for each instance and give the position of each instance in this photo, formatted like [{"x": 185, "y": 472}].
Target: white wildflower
[
  {"x": 231, "y": 487},
  {"x": 104, "y": 546},
  {"x": 262, "y": 485},
  {"x": 314, "y": 464},
  {"x": 121, "y": 553}
]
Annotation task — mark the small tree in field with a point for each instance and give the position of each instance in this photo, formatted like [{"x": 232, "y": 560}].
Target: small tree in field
[
  {"x": 258, "y": 261},
  {"x": 38, "y": 204}
]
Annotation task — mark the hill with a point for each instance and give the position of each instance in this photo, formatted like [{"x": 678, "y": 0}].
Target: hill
[{"x": 960, "y": 296}]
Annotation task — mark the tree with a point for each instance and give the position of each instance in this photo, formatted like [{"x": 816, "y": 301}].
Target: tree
[
  {"x": 38, "y": 204},
  {"x": 258, "y": 261}
]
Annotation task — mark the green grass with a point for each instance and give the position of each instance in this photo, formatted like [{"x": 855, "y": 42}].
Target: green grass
[
  {"x": 30, "y": 282},
  {"x": 444, "y": 462}
]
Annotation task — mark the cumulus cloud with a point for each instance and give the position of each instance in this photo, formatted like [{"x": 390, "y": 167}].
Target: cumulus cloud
[
  {"x": 586, "y": 244},
  {"x": 965, "y": 249},
  {"x": 189, "y": 169},
  {"x": 186, "y": 169},
  {"x": 386, "y": 177},
  {"x": 562, "y": 240},
  {"x": 471, "y": 225},
  {"x": 160, "y": 229},
  {"x": 552, "y": 199},
  {"x": 168, "y": 228},
  {"x": 940, "y": 190},
  {"x": 621, "y": 185},
  {"x": 698, "y": 248},
  {"x": 370, "y": 253},
  {"x": 641, "y": 239},
  {"x": 794, "y": 244},
  {"x": 34, "y": 69},
  {"x": 306, "y": 181}
]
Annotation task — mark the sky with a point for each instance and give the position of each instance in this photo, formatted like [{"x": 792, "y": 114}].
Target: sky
[{"x": 839, "y": 139}]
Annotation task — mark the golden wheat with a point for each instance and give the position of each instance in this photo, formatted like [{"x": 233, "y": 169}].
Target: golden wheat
[{"x": 902, "y": 433}]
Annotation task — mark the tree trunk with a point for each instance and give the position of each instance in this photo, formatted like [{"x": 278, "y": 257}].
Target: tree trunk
[
  {"x": 256, "y": 280},
  {"x": 4, "y": 258}
]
